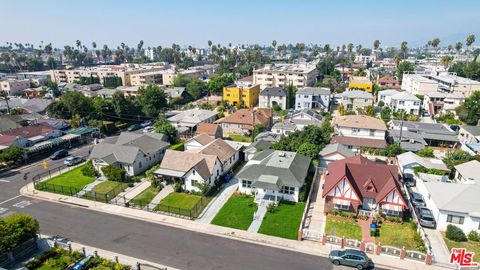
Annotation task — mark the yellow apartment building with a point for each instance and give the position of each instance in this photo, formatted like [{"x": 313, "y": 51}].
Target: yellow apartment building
[
  {"x": 246, "y": 94},
  {"x": 362, "y": 83}
]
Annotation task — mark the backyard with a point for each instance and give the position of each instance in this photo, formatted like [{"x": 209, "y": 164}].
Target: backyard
[
  {"x": 400, "y": 235},
  {"x": 343, "y": 227},
  {"x": 105, "y": 191},
  {"x": 68, "y": 183},
  {"x": 284, "y": 221},
  {"x": 145, "y": 197},
  {"x": 239, "y": 138},
  {"x": 177, "y": 147},
  {"x": 236, "y": 213}
]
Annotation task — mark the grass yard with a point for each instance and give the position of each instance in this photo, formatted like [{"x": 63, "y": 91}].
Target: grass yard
[
  {"x": 110, "y": 188},
  {"x": 239, "y": 138},
  {"x": 347, "y": 228},
  {"x": 400, "y": 235},
  {"x": 236, "y": 213},
  {"x": 181, "y": 204},
  {"x": 145, "y": 197},
  {"x": 177, "y": 147},
  {"x": 284, "y": 221},
  {"x": 470, "y": 246},
  {"x": 67, "y": 183}
]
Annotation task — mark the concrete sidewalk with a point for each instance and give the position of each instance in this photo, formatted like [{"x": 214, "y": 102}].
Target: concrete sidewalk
[
  {"x": 308, "y": 247},
  {"x": 259, "y": 215},
  {"x": 137, "y": 189},
  {"x": 216, "y": 204},
  {"x": 160, "y": 196}
]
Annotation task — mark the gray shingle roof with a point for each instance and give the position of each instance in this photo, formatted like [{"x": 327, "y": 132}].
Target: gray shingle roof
[
  {"x": 273, "y": 91},
  {"x": 336, "y": 147},
  {"x": 474, "y": 130},
  {"x": 291, "y": 168},
  {"x": 313, "y": 91}
]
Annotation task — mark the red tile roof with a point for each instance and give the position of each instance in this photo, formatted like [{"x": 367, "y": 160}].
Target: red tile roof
[
  {"x": 245, "y": 117},
  {"x": 356, "y": 141},
  {"x": 368, "y": 178}
]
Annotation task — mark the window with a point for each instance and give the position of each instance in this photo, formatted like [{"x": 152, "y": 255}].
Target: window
[
  {"x": 401, "y": 102},
  {"x": 391, "y": 212},
  {"x": 355, "y": 130},
  {"x": 287, "y": 190},
  {"x": 194, "y": 172},
  {"x": 140, "y": 165},
  {"x": 455, "y": 219},
  {"x": 372, "y": 132},
  {"x": 194, "y": 183},
  {"x": 246, "y": 184},
  {"x": 341, "y": 206}
]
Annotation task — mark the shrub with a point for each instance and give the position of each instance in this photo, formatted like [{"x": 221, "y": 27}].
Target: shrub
[
  {"x": 177, "y": 187},
  {"x": 130, "y": 185},
  {"x": 271, "y": 207},
  {"x": 88, "y": 169},
  {"x": 114, "y": 173},
  {"x": 474, "y": 236},
  {"x": 455, "y": 233},
  {"x": 343, "y": 214},
  {"x": 393, "y": 219}
]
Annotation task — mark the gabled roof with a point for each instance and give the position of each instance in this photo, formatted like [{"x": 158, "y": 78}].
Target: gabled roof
[
  {"x": 291, "y": 168},
  {"x": 26, "y": 132},
  {"x": 208, "y": 128},
  {"x": 245, "y": 117},
  {"x": 183, "y": 162},
  {"x": 461, "y": 198},
  {"x": 336, "y": 148},
  {"x": 404, "y": 96},
  {"x": 388, "y": 92},
  {"x": 273, "y": 91},
  {"x": 363, "y": 173},
  {"x": 387, "y": 79},
  {"x": 202, "y": 139},
  {"x": 429, "y": 163},
  {"x": 192, "y": 117},
  {"x": 316, "y": 91},
  {"x": 470, "y": 170},
  {"x": 359, "y": 141},
  {"x": 359, "y": 121},
  {"x": 219, "y": 148},
  {"x": 356, "y": 94},
  {"x": 474, "y": 130}
]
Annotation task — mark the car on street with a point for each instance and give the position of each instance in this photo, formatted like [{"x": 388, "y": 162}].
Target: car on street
[
  {"x": 59, "y": 154},
  {"x": 350, "y": 257},
  {"x": 73, "y": 160},
  {"x": 134, "y": 127},
  {"x": 425, "y": 217},
  {"x": 417, "y": 199},
  {"x": 148, "y": 129},
  {"x": 146, "y": 123}
]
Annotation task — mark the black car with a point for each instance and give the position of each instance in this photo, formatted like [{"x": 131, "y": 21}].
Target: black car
[
  {"x": 417, "y": 199},
  {"x": 59, "y": 154}
]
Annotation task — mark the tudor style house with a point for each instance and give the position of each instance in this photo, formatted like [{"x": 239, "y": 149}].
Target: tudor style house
[{"x": 360, "y": 185}]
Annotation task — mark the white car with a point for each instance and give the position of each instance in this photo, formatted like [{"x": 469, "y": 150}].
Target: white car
[
  {"x": 73, "y": 160},
  {"x": 148, "y": 129}
]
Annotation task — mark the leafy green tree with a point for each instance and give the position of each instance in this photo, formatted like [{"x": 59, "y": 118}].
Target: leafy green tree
[
  {"x": 402, "y": 68},
  {"x": 309, "y": 150},
  {"x": 162, "y": 126},
  {"x": 426, "y": 152},
  {"x": 456, "y": 157},
  {"x": 318, "y": 136},
  {"x": 195, "y": 88},
  {"x": 217, "y": 82},
  {"x": 291, "y": 91},
  {"x": 13, "y": 153},
  {"x": 15, "y": 230},
  {"x": 152, "y": 99},
  {"x": 393, "y": 150},
  {"x": 112, "y": 82},
  {"x": 469, "y": 111},
  {"x": 181, "y": 80},
  {"x": 257, "y": 129},
  {"x": 113, "y": 173}
]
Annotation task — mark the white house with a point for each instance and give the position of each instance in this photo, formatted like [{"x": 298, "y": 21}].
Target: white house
[
  {"x": 334, "y": 152},
  {"x": 284, "y": 128},
  {"x": 274, "y": 175},
  {"x": 135, "y": 153},
  {"x": 404, "y": 101},
  {"x": 468, "y": 172},
  {"x": 385, "y": 95},
  {"x": 409, "y": 160},
  {"x": 272, "y": 96},
  {"x": 356, "y": 131},
  {"x": 312, "y": 98},
  {"x": 204, "y": 160},
  {"x": 451, "y": 203}
]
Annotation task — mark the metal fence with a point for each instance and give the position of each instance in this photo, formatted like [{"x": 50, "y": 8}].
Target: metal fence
[{"x": 18, "y": 253}]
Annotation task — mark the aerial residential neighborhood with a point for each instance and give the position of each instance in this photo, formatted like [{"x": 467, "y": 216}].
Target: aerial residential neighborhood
[{"x": 185, "y": 135}]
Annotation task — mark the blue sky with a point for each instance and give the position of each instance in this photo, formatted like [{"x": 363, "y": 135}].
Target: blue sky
[{"x": 258, "y": 21}]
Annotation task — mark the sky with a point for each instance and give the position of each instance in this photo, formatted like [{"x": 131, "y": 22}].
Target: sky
[{"x": 194, "y": 22}]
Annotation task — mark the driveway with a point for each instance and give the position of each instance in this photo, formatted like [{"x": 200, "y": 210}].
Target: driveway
[{"x": 439, "y": 249}]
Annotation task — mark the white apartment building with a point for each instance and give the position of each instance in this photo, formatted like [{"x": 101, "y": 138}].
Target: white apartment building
[
  {"x": 283, "y": 75},
  {"x": 417, "y": 84},
  {"x": 451, "y": 83},
  {"x": 149, "y": 53},
  {"x": 271, "y": 96},
  {"x": 315, "y": 98},
  {"x": 404, "y": 101},
  {"x": 14, "y": 86}
]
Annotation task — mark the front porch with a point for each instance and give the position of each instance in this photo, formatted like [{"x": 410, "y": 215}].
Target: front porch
[{"x": 267, "y": 198}]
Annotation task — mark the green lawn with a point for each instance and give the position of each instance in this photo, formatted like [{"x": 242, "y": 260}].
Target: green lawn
[
  {"x": 180, "y": 203},
  {"x": 347, "y": 228},
  {"x": 284, "y": 221},
  {"x": 110, "y": 188},
  {"x": 471, "y": 246},
  {"x": 67, "y": 183},
  {"x": 178, "y": 147},
  {"x": 239, "y": 138},
  {"x": 400, "y": 235},
  {"x": 236, "y": 213},
  {"x": 145, "y": 197}
]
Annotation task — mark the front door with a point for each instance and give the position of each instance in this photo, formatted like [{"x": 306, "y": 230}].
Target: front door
[{"x": 368, "y": 204}]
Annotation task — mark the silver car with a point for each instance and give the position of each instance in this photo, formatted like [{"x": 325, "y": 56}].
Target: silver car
[{"x": 73, "y": 160}]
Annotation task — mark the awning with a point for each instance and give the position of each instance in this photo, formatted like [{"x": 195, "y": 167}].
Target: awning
[
  {"x": 45, "y": 144},
  {"x": 167, "y": 172},
  {"x": 341, "y": 202},
  {"x": 392, "y": 207},
  {"x": 80, "y": 131},
  {"x": 269, "y": 182}
]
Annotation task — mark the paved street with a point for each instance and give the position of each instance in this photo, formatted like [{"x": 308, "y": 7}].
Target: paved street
[{"x": 149, "y": 241}]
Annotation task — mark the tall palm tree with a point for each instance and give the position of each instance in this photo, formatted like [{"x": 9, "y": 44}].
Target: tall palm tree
[
  {"x": 470, "y": 40},
  {"x": 376, "y": 44},
  {"x": 78, "y": 43},
  {"x": 458, "y": 47},
  {"x": 445, "y": 61},
  {"x": 94, "y": 45},
  {"x": 326, "y": 49},
  {"x": 404, "y": 49},
  {"x": 397, "y": 59},
  {"x": 435, "y": 43}
]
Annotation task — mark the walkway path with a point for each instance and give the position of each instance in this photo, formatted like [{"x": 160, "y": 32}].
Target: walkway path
[
  {"x": 122, "y": 196},
  {"x": 132, "y": 193},
  {"x": 259, "y": 215},
  {"x": 316, "y": 218},
  {"x": 216, "y": 204},
  {"x": 365, "y": 225},
  {"x": 160, "y": 196},
  {"x": 89, "y": 187}
]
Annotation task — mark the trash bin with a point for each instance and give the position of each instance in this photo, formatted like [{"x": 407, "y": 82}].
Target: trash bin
[{"x": 373, "y": 229}]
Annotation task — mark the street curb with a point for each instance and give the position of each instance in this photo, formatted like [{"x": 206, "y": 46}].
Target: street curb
[
  {"x": 230, "y": 235},
  {"x": 72, "y": 203}
]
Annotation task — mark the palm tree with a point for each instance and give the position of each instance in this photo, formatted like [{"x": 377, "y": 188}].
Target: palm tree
[
  {"x": 449, "y": 48},
  {"x": 94, "y": 45},
  {"x": 404, "y": 49},
  {"x": 445, "y": 61},
  {"x": 470, "y": 40},
  {"x": 397, "y": 59},
  {"x": 79, "y": 43},
  {"x": 274, "y": 45},
  {"x": 376, "y": 44},
  {"x": 458, "y": 47},
  {"x": 435, "y": 43},
  {"x": 326, "y": 49}
]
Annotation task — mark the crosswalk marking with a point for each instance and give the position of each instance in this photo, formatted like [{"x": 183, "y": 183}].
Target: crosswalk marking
[
  {"x": 3, "y": 210},
  {"x": 22, "y": 204}
]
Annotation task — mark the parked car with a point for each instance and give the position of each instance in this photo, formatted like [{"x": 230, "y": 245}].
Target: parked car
[
  {"x": 59, "y": 154},
  {"x": 417, "y": 199},
  {"x": 148, "y": 129},
  {"x": 425, "y": 217},
  {"x": 146, "y": 123},
  {"x": 134, "y": 127},
  {"x": 73, "y": 160},
  {"x": 350, "y": 257}
]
